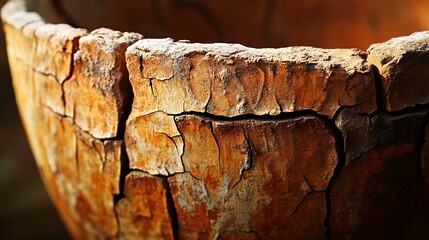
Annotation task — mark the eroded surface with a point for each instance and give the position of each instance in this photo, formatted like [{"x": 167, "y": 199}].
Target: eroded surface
[
  {"x": 144, "y": 212},
  {"x": 222, "y": 141},
  {"x": 403, "y": 73},
  {"x": 253, "y": 176},
  {"x": 231, "y": 80},
  {"x": 98, "y": 94}
]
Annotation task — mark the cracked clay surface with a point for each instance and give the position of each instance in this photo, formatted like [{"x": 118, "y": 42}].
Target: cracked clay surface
[{"x": 157, "y": 139}]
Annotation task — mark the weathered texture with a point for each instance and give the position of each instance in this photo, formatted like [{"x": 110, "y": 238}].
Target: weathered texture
[
  {"x": 154, "y": 144},
  {"x": 376, "y": 194},
  {"x": 20, "y": 26},
  {"x": 171, "y": 78},
  {"x": 224, "y": 141},
  {"x": 402, "y": 63},
  {"x": 47, "y": 84},
  {"x": 144, "y": 212},
  {"x": 56, "y": 44},
  {"x": 230, "y": 80},
  {"x": 265, "y": 177},
  {"x": 29, "y": 38},
  {"x": 50, "y": 46},
  {"x": 98, "y": 94},
  {"x": 362, "y": 133},
  {"x": 82, "y": 173},
  {"x": 53, "y": 53}
]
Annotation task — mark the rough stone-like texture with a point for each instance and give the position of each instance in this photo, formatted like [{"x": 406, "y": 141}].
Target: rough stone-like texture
[
  {"x": 253, "y": 176},
  {"x": 19, "y": 26},
  {"x": 82, "y": 173},
  {"x": 55, "y": 47},
  {"x": 98, "y": 95},
  {"x": 376, "y": 194},
  {"x": 144, "y": 212},
  {"x": 402, "y": 63},
  {"x": 154, "y": 144},
  {"x": 50, "y": 46},
  {"x": 223, "y": 141},
  {"x": 231, "y": 80},
  {"x": 28, "y": 38}
]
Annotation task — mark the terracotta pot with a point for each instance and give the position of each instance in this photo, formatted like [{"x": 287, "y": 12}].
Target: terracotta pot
[{"x": 159, "y": 139}]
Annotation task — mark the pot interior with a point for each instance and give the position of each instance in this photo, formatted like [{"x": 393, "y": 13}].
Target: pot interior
[{"x": 254, "y": 23}]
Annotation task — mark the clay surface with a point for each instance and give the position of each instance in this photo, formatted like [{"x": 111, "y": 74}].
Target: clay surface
[{"x": 158, "y": 139}]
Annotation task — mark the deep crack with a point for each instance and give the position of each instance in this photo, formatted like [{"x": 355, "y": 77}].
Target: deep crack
[
  {"x": 125, "y": 170},
  {"x": 171, "y": 207},
  {"x": 340, "y": 149},
  {"x": 265, "y": 117},
  {"x": 380, "y": 91}
]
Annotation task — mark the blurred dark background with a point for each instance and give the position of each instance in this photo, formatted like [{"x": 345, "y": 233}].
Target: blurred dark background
[
  {"x": 253, "y": 23},
  {"x": 26, "y": 211}
]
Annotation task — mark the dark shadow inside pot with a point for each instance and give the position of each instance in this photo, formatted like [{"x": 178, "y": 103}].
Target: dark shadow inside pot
[{"x": 255, "y": 23}]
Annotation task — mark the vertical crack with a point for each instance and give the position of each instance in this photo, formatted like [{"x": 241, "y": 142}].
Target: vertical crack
[
  {"x": 75, "y": 48},
  {"x": 125, "y": 108},
  {"x": 125, "y": 170},
  {"x": 248, "y": 164},
  {"x": 206, "y": 107},
  {"x": 380, "y": 91},
  {"x": 151, "y": 86},
  {"x": 125, "y": 92},
  {"x": 307, "y": 182},
  {"x": 184, "y": 144},
  {"x": 217, "y": 143},
  {"x": 339, "y": 145},
  {"x": 171, "y": 207}
]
